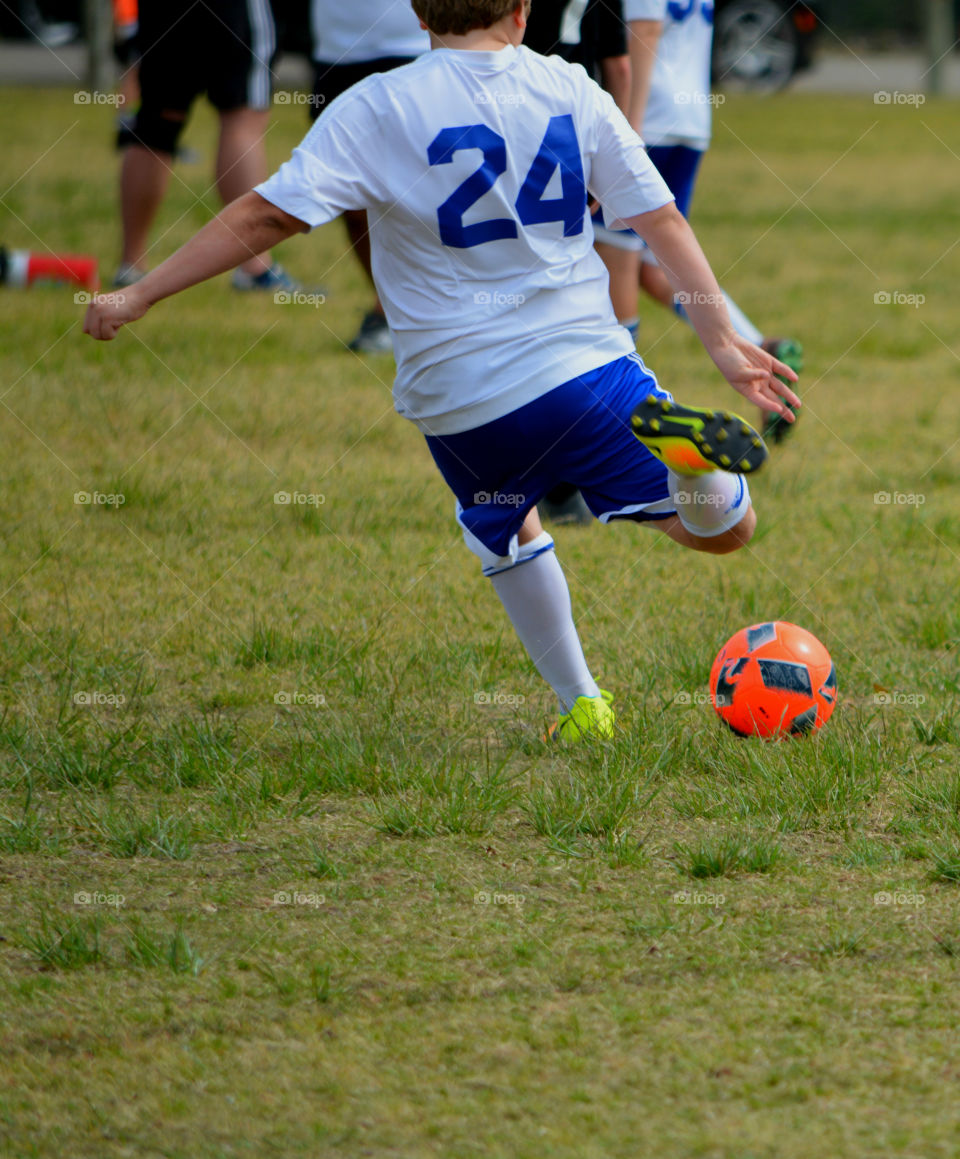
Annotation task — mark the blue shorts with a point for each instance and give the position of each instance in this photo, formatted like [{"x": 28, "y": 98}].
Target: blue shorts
[
  {"x": 577, "y": 433},
  {"x": 677, "y": 165}
]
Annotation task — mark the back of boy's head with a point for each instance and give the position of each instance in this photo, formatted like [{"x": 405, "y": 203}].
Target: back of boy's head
[{"x": 458, "y": 17}]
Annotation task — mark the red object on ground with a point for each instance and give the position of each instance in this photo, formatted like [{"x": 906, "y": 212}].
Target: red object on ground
[{"x": 22, "y": 268}]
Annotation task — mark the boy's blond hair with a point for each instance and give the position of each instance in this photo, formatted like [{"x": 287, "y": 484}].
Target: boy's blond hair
[{"x": 458, "y": 17}]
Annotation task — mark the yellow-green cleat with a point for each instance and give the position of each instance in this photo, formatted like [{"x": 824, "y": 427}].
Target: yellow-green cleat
[
  {"x": 590, "y": 716},
  {"x": 692, "y": 440}
]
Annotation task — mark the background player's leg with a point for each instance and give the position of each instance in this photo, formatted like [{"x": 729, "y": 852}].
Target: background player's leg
[
  {"x": 144, "y": 176},
  {"x": 537, "y": 600},
  {"x": 242, "y": 164}
]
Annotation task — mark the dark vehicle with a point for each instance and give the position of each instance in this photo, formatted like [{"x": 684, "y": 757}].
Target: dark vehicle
[{"x": 762, "y": 44}]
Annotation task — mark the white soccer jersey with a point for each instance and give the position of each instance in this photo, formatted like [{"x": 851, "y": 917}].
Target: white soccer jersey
[
  {"x": 678, "y": 110},
  {"x": 351, "y": 31},
  {"x": 473, "y": 166}
]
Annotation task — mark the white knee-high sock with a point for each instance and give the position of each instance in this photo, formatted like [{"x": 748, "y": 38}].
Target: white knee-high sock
[
  {"x": 741, "y": 323},
  {"x": 537, "y": 600}
]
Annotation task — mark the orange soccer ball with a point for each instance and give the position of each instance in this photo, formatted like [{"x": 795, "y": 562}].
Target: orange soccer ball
[{"x": 772, "y": 680}]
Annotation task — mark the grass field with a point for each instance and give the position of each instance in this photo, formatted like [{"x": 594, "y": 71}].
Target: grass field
[{"x": 285, "y": 867}]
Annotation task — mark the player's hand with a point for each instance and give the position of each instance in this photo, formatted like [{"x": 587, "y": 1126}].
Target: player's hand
[
  {"x": 752, "y": 372},
  {"x": 108, "y": 312}
]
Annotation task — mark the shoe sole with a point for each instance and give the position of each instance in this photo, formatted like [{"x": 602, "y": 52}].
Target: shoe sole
[{"x": 693, "y": 440}]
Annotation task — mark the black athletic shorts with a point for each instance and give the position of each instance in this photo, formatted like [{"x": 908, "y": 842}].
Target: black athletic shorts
[
  {"x": 224, "y": 48},
  {"x": 330, "y": 80}
]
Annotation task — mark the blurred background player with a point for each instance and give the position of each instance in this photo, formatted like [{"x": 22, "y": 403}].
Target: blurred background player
[
  {"x": 125, "y": 51},
  {"x": 590, "y": 33},
  {"x": 670, "y": 45},
  {"x": 223, "y": 48},
  {"x": 349, "y": 42}
]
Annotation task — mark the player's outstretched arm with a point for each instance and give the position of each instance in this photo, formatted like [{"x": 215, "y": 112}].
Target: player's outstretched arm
[
  {"x": 248, "y": 226},
  {"x": 747, "y": 368}
]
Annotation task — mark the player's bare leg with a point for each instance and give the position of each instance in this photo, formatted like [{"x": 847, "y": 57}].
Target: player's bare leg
[
  {"x": 242, "y": 164},
  {"x": 144, "y": 177},
  {"x": 623, "y": 270}
]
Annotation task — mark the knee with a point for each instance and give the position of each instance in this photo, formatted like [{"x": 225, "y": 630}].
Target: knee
[{"x": 731, "y": 540}]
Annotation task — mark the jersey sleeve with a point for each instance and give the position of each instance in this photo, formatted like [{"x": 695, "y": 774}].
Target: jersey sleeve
[
  {"x": 644, "y": 9},
  {"x": 622, "y": 177},
  {"x": 328, "y": 172}
]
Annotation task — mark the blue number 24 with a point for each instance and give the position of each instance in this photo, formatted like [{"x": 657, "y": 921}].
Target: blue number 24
[{"x": 558, "y": 149}]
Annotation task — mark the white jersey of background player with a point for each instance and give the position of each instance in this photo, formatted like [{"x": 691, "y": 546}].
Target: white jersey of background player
[
  {"x": 477, "y": 160},
  {"x": 679, "y": 107},
  {"x": 347, "y": 31}
]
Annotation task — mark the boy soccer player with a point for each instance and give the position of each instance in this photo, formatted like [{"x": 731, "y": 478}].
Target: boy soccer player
[{"x": 475, "y": 162}]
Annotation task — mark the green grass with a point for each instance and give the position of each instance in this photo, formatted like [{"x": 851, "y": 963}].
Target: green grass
[{"x": 333, "y": 900}]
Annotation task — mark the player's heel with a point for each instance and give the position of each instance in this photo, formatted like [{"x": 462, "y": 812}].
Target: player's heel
[{"x": 693, "y": 440}]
